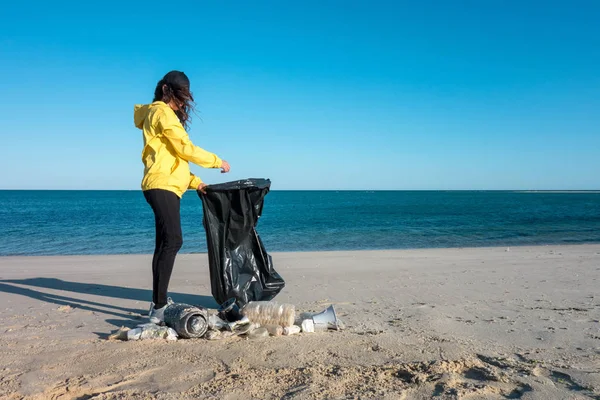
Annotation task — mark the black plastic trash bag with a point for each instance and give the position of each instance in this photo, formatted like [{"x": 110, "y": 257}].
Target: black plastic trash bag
[{"x": 240, "y": 267}]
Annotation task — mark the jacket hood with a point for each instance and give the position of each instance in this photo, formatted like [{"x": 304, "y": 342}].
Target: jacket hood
[{"x": 140, "y": 113}]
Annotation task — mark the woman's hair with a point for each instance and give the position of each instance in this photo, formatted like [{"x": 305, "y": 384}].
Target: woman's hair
[{"x": 175, "y": 86}]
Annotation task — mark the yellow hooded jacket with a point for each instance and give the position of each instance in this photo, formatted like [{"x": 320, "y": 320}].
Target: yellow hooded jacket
[{"x": 168, "y": 150}]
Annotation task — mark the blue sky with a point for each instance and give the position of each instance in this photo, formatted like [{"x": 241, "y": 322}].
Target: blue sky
[{"x": 313, "y": 94}]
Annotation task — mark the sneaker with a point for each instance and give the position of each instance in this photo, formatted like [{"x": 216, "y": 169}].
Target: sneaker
[{"x": 157, "y": 315}]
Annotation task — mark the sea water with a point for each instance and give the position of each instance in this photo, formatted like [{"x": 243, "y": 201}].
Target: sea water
[{"x": 121, "y": 222}]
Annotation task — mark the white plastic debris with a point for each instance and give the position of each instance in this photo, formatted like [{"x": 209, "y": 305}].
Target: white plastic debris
[
  {"x": 171, "y": 334},
  {"x": 134, "y": 334},
  {"x": 308, "y": 326},
  {"x": 216, "y": 323},
  {"x": 152, "y": 331}
]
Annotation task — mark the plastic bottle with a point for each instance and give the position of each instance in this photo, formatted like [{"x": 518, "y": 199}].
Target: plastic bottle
[
  {"x": 151, "y": 331},
  {"x": 134, "y": 334},
  {"x": 258, "y": 333},
  {"x": 232, "y": 326},
  {"x": 216, "y": 323},
  {"x": 291, "y": 330},
  {"x": 270, "y": 313}
]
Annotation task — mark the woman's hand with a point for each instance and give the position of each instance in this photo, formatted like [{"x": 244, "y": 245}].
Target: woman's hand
[
  {"x": 225, "y": 167},
  {"x": 202, "y": 187}
]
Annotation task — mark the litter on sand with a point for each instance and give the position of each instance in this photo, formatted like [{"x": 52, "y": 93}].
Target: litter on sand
[
  {"x": 256, "y": 320},
  {"x": 259, "y": 319}
]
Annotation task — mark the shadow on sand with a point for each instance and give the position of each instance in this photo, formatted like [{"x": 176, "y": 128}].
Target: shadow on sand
[{"x": 128, "y": 316}]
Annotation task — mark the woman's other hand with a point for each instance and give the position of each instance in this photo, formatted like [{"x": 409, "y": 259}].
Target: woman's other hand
[
  {"x": 202, "y": 188},
  {"x": 225, "y": 167}
]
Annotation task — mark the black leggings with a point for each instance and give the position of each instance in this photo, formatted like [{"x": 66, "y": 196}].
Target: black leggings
[{"x": 165, "y": 205}]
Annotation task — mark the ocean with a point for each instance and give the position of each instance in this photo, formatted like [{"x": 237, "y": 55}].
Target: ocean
[{"x": 121, "y": 222}]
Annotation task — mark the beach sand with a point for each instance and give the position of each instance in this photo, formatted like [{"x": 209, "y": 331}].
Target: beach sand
[{"x": 486, "y": 323}]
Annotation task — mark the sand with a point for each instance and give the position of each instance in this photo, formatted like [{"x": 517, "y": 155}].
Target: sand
[{"x": 486, "y": 323}]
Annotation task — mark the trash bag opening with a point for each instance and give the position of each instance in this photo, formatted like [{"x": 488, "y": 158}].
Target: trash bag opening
[{"x": 251, "y": 183}]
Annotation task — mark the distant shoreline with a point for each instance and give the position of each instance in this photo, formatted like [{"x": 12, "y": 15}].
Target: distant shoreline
[{"x": 506, "y": 248}]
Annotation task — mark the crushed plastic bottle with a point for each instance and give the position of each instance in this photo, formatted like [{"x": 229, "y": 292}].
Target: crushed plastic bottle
[
  {"x": 216, "y": 323},
  {"x": 151, "y": 331},
  {"x": 258, "y": 333},
  {"x": 134, "y": 334},
  {"x": 270, "y": 313},
  {"x": 243, "y": 329},
  {"x": 232, "y": 326}
]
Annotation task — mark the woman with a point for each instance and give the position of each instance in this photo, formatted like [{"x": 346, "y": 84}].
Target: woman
[{"x": 167, "y": 152}]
